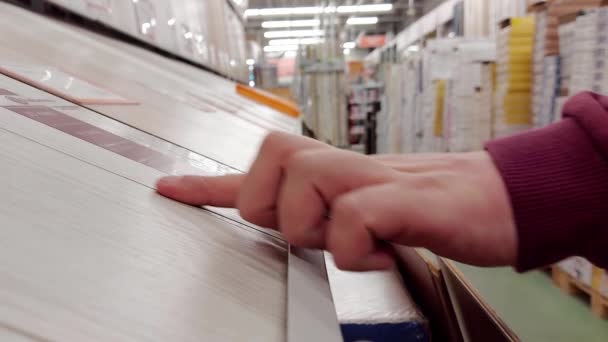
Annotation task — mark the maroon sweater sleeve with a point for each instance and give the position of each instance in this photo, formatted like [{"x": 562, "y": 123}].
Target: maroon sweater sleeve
[{"x": 557, "y": 180}]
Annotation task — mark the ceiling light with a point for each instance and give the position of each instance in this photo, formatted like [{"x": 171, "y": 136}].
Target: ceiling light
[
  {"x": 294, "y": 34},
  {"x": 280, "y": 48},
  {"x": 346, "y": 51},
  {"x": 284, "y": 11},
  {"x": 291, "y": 23},
  {"x": 250, "y": 61},
  {"x": 303, "y": 41},
  {"x": 268, "y": 12},
  {"x": 413, "y": 48},
  {"x": 366, "y": 8},
  {"x": 362, "y": 21},
  {"x": 349, "y": 45}
]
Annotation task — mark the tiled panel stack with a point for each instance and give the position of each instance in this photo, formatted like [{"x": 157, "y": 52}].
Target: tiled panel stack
[
  {"x": 584, "y": 52},
  {"x": 540, "y": 72},
  {"x": 514, "y": 75},
  {"x": 553, "y": 98},
  {"x": 468, "y": 111},
  {"x": 567, "y": 39},
  {"x": 207, "y": 32},
  {"x": 598, "y": 39}
]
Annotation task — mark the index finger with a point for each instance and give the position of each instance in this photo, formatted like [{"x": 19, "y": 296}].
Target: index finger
[
  {"x": 258, "y": 198},
  {"x": 219, "y": 191}
]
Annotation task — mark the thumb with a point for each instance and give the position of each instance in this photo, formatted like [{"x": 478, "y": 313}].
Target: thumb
[{"x": 198, "y": 190}]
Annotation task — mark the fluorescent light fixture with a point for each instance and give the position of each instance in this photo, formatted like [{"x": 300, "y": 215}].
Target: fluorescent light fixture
[
  {"x": 362, "y": 21},
  {"x": 171, "y": 22},
  {"x": 374, "y": 8},
  {"x": 291, "y": 54},
  {"x": 252, "y": 84},
  {"x": 280, "y": 48},
  {"x": 346, "y": 51},
  {"x": 291, "y": 23},
  {"x": 413, "y": 48},
  {"x": 302, "y": 41},
  {"x": 349, "y": 45},
  {"x": 282, "y": 11},
  {"x": 285, "y": 11},
  {"x": 294, "y": 34},
  {"x": 250, "y": 61}
]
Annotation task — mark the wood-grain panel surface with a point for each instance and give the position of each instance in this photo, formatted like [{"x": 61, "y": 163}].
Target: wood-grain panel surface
[{"x": 87, "y": 255}]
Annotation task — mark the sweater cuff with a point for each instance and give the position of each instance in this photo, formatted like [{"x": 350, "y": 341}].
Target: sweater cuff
[{"x": 558, "y": 187}]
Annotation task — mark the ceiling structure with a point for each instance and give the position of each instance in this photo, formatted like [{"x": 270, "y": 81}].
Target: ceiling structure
[{"x": 400, "y": 15}]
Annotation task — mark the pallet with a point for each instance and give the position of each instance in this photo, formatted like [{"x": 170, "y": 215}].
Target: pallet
[{"x": 572, "y": 286}]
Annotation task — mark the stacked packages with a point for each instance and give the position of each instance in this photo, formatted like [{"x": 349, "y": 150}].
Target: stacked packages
[
  {"x": 514, "y": 76},
  {"x": 468, "y": 110},
  {"x": 398, "y": 123},
  {"x": 583, "y": 53},
  {"x": 546, "y": 66},
  {"x": 539, "y": 66},
  {"x": 548, "y": 44},
  {"x": 439, "y": 99},
  {"x": 591, "y": 52}
]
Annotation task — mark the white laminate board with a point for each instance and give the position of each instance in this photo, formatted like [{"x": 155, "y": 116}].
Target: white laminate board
[
  {"x": 311, "y": 315},
  {"x": 57, "y": 82},
  {"x": 8, "y": 334},
  {"x": 14, "y": 94},
  {"x": 189, "y": 79},
  {"x": 216, "y": 134},
  {"x": 87, "y": 255},
  {"x": 181, "y": 161},
  {"x": 176, "y": 78}
]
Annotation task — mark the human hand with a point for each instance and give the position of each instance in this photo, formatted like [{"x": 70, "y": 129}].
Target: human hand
[{"x": 320, "y": 197}]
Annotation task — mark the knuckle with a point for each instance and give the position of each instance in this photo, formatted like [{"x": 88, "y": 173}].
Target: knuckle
[
  {"x": 343, "y": 262},
  {"x": 347, "y": 206},
  {"x": 299, "y": 160},
  {"x": 247, "y": 213},
  {"x": 271, "y": 142}
]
